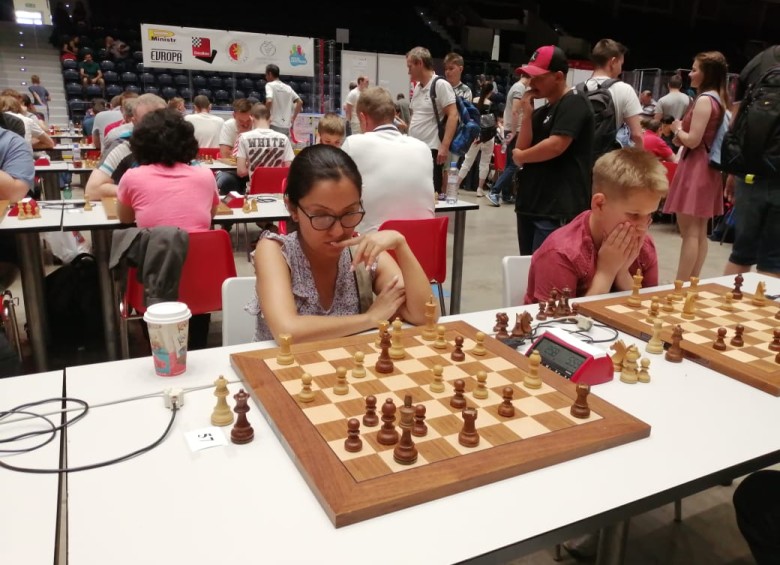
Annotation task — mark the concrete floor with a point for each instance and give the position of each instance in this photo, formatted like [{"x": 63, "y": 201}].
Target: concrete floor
[{"x": 708, "y": 532}]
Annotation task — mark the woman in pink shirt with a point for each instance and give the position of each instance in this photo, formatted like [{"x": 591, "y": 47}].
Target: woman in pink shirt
[{"x": 165, "y": 189}]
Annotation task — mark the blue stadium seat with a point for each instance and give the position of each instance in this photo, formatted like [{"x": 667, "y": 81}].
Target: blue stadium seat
[
  {"x": 185, "y": 93},
  {"x": 147, "y": 78},
  {"x": 94, "y": 90},
  {"x": 110, "y": 76},
  {"x": 73, "y": 89},
  {"x": 70, "y": 75},
  {"x": 199, "y": 81},
  {"x": 169, "y": 92},
  {"x": 133, "y": 88},
  {"x": 222, "y": 96},
  {"x": 149, "y": 89},
  {"x": 247, "y": 84},
  {"x": 215, "y": 83},
  {"x": 113, "y": 90},
  {"x": 181, "y": 80},
  {"x": 70, "y": 64},
  {"x": 164, "y": 80},
  {"x": 205, "y": 92},
  {"x": 106, "y": 66},
  {"x": 129, "y": 78}
]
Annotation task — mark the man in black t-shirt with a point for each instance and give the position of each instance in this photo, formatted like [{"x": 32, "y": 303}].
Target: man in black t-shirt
[{"x": 554, "y": 149}]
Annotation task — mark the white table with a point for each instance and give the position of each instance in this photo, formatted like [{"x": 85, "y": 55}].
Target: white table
[
  {"x": 250, "y": 502},
  {"x": 28, "y": 524},
  {"x": 50, "y": 176},
  {"x": 27, "y": 234}
]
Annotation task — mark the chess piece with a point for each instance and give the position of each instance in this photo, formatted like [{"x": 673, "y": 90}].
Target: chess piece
[
  {"x": 429, "y": 330},
  {"x": 644, "y": 375},
  {"x": 694, "y": 286},
  {"x": 420, "y": 428},
  {"x": 619, "y": 347},
  {"x": 655, "y": 346},
  {"x": 652, "y": 313},
  {"x": 668, "y": 304},
  {"x": 382, "y": 328},
  {"x": 552, "y": 304},
  {"x": 306, "y": 394},
  {"x": 777, "y": 358},
  {"x": 353, "y": 443},
  {"x": 253, "y": 205},
  {"x": 678, "y": 292},
  {"x": 728, "y": 302},
  {"x": 580, "y": 408},
  {"x": 674, "y": 353},
  {"x": 457, "y": 354},
  {"x": 775, "y": 345},
  {"x": 479, "y": 349},
  {"x": 440, "y": 342},
  {"x": 468, "y": 436},
  {"x": 565, "y": 296},
  {"x": 759, "y": 297},
  {"x": 575, "y": 309},
  {"x": 387, "y": 434},
  {"x": 242, "y": 432},
  {"x": 405, "y": 453},
  {"x": 689, "y": 308},
  {"x": 737, "y": 292},
  {"x": 635, "y": 300},
  {"x": 542, "y": 315},
  {"x": 384, "y": 364},
  {"x": 532, "y": 378},
  {"x": 246, "y": 208},
  {"x": 720, "y": 344},
  {"x": 458, "y": 401},
  {"x": 526, "y": 321},
  {"x": 87, "y": 205},
  {"x": 737, "y": 340},
  {"x": 359, "y": 370},
  {"x": 502, "y": 326},
  {"x": 22, "y": 215},
  {"x": 341, "y": 388},
  {"x": 498, "y": 322},
  {"x": 517, "y": 330},
  {"x": 506, "y": 409},
  {"x": 397, "y": 349},
  {"x": 222, "y": 414},
  {"x": 285, "y": 356},
  {"x": 438, "y": 382},
  {"x": 628, "y": 374},
  {"x": 370, "y": 419},
  {"x": 481, "y": 392}
]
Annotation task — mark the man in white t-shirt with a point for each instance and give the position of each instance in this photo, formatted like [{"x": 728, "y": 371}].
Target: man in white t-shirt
[
  {"x": 241, "y": 122},
  {"x": 262, "y": 146},
  {"x": 608, "y": 56},
  {"x": 675, "y": 103},
  {"x": 351, "y": 102},
  {"x": 281, "y": 100},
  {"x": 103, "y": 119},
  {"x": 207, "y": 125},
  {"x": 423, "y": 124},
  {"x": 396, "y": 168}
]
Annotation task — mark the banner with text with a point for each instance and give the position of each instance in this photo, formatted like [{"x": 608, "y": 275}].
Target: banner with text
[{"x": 192, "y": 48}]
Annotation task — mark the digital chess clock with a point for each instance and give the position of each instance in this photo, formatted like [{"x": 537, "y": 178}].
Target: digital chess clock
[{"x": 572, "y": 358}]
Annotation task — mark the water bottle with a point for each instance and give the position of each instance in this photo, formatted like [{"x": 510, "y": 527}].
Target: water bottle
[
  {"x": 67, "y": 192},
  {"x": 70, "y": 127},
  {"x": 452, "y": 185},
  {"x": 76, "y": 153}
]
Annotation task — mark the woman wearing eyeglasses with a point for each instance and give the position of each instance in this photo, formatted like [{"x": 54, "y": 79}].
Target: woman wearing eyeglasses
[{"x": 306, "y": 280}]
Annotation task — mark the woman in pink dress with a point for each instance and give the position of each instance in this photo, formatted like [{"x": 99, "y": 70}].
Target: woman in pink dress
[{"x": 696, "y": 192}]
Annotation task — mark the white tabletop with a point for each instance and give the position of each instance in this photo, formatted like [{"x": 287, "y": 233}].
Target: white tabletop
[
  {"x": 69, "y": 147},
  {"x": 53, "y": 167},
  {"x": 50, "y": 220},
  {"x": 702, "y": 423},
  {"x": 28, "y": 521}
]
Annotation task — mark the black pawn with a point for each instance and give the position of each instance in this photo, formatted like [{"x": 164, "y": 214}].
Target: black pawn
[
  {"x": 720, "y": 343},
  {"x": 353, "y": 443},
  {"x": 497, "y": 327},
  {"x": 737, "y": 292},
  {"x": 458, "y": 401},
  {"x": 542, "y": 315},
  {"x": 370, "y": 419},
  {"x": 457, "y": 354},
  {"x": 420, "y": 428},
  {"x": 737, "y": 340},
  {"x": 775, "y": 345},
  {"x": 506, "y": 409},
  {"x": 388, "y": 435}
]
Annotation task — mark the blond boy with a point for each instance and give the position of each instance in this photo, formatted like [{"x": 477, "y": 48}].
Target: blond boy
[
  {"x": 330, "y": 129},
  {"x": 599, "y": 250},
  {"x": 453, "y": 69}
]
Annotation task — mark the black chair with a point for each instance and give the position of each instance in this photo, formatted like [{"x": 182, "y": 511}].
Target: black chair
[
  {"x": 73, "y": 89},
  {"x": 84, "y": 51},
  {"x": 205, "y": 92},
  {"x": 261, "y": 84},
  {"x": 222, "y": 96},
  {"x": 113, "y": 90},
  {"x": 149, "y": 89},
  {"x": 185, "y": 93},
  {"x": 138, "y": 56},
  {"x": 129, "y": 78},
  {"x": 238, "y": 94},
  {"x": 164, "y": 80},
  {"x": 247, "y": 84},
  {"x": 110, "y": 76},
  {"x": 133, "y": 88},
  {"x": 106, "y": 66},
  {"x": 77, "y": 105},
  {"x": 168, "y": 92},
  {"x": 215, "y": 83},
  {"x": 229, "y": 83},
  {"x": 199, "y": 81},
  {"x": 71, "y": 75},
  {"x": 254, "y": 97},
  {"x": 139, "y": 67},
  {"x": 94, "y": 90},
  {"x": 147, "y": 78},
  {"x": 181, "y": 80},
  {"x": 70, "y": 64},
  {"x": 101, "y": 54}
]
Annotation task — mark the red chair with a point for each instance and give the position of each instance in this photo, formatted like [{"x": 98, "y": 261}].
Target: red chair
[
  {"x": 268, "y": 180},
  {"x": 671, "y": 169},
  {"x": 428, "y": 241},
  {"x": 212, "y": 152},
  {"x": 209, "y": 262}
]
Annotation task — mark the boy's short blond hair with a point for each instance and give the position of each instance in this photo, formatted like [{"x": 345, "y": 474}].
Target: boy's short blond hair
[
  {"x": 331, "y": 123},
  {"x": 453, "y": 59},
  {"x": 623, "y": 172}
]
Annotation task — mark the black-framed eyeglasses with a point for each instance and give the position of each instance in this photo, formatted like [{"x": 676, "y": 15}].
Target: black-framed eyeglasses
[{"x": 325, "y": 221}]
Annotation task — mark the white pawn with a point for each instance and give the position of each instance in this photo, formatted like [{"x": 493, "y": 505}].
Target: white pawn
[
  {"x": 438, "y": 382},
  {"x": 359, "y": 371},
  {"x": 306, "y": 394},
  {"x": 341, "y": 381},
  {"x": 440, "y": 342},
  {"x": 481, "y": 392},
  {"x": 532, "y": 378},
  {"x": 644, "y": 376},
  {"x": 479, "y": 348}
]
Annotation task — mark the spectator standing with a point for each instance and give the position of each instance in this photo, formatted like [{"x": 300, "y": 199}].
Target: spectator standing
[
  {"x": 696, "y": 192},
  {"x": 207, "y": 126},
  {"x": 647, "y": 103},
  {"x": 403, "y": 107},
  {"x": 40, "y": 95},
  {"x": 281, "y": 100},
  {"x": 349, "y": 106},
  {"x": 675, "y": 103},
  {"x": 453, "y": 71}
]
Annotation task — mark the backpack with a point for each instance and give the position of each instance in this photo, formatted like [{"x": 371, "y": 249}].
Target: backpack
[
  {"x": 752, "y": 145},
  {"x": 605, "y": 128},
  {"x": 715, "y": 149},
  {"x": 468, "y": 127},
  {"x": 487, "y": 127}
]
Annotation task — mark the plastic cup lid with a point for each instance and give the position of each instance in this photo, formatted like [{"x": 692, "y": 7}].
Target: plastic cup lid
[{"x": 167, "y": 313}]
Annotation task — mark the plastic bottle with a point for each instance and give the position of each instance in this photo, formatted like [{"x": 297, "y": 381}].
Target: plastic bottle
[
  {"x": 67, "y": 192},
  {"x": 452, "y": 184},
  {"x": 70, "y": 127},
  {"x": 76, "y": 152}
]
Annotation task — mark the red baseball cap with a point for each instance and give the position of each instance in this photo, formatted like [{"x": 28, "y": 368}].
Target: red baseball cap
[{"x": 547, "y": 59}]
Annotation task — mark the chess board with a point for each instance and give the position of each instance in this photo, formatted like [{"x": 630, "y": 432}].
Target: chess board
[
  {"x": 357, "y": 486},
  {"x": 753, "y": 364}
]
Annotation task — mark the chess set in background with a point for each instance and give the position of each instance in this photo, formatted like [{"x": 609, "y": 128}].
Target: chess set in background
[{"x": 488, "y": 412}]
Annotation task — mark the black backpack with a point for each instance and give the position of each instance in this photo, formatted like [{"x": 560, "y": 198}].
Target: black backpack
[
  {"x": 752, "y": 145},
  {"x": 605, "y": 127}
]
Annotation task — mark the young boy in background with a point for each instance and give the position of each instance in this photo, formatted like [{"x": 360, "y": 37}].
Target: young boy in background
[
  {"x": 330, "y": 129},
  {"x": 600, "y": 250}
]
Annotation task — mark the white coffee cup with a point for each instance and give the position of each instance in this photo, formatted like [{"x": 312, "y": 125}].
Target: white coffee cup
[{"x": 168, "y": 324}]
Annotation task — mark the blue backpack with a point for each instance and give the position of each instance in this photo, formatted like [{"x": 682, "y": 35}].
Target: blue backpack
[
  {"x": 468, "y": 127},
  {"x": 723, "y": 128}
]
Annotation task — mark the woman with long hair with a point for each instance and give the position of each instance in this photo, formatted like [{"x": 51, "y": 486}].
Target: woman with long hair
[{"x": 696, "y": 192}]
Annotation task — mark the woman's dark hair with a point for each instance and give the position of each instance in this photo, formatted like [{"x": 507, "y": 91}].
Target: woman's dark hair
[
  {"x": 487, "y": 88},
  {"x": 317, "y": 163},
  {"x": 164, "y": 137}
]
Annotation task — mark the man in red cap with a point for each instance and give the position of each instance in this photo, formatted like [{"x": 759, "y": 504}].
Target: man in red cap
[{"x": 553, "y": 151}]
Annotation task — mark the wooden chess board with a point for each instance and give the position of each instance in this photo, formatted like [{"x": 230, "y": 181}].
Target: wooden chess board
[
  {"x": 357, "y": 486},
  {"x": 753, "y": 364}
]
